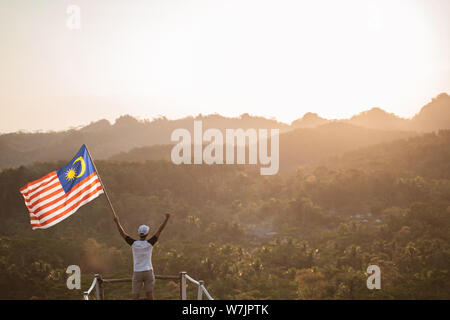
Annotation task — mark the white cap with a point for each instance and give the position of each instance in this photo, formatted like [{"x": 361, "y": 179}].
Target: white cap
[{"x": 143, "y": 230}]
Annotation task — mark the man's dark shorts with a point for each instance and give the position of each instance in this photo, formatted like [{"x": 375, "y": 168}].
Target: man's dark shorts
[{"x": 143, "y": 277}]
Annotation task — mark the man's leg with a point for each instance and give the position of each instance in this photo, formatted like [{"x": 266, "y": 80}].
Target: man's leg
[
  {"x": 136, "y": 284},
  {"x": 149, "y": 284},
  {"x": 149, "y": 295}
]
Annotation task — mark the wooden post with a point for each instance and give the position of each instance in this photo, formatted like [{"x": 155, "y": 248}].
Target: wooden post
[
  {"x": 101, "y": 183},
  {"x": 182, "y": 285},
  {"x": 200, "y": 290},
  {"x": 99, "y": 287}
]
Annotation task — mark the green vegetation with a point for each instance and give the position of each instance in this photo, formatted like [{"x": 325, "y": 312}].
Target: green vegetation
[{"x": 309, "y": 233}]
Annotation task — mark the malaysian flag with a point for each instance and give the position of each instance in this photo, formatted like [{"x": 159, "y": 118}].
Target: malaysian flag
[{"x": 60, "y": 193}]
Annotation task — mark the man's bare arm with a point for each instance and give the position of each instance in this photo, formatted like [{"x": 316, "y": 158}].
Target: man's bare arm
[
  {"x": 119, "y": 227},
  {"x": 162, "y": 226}
]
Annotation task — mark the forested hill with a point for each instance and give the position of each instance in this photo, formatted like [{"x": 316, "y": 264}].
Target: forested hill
[
  {"x": 297, "y": 147},
  {"x": 305, "y": 234},
  {"x": 427, "y": 155},
  {"x": 105, "y": 139}
]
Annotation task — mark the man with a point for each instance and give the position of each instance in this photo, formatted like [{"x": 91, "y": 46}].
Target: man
[{"x": 142, "y": 257}]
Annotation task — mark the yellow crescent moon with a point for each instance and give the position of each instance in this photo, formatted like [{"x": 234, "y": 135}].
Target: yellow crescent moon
[{"x": 83, "y": 166}]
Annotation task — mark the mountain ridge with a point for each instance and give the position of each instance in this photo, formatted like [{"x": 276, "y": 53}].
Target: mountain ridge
[
  {"x": 438, "y": 109},
  {"x": 127, "y": 133}
]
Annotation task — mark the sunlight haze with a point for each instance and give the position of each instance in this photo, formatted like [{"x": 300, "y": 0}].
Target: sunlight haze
[{"x": 174, "y": 58}]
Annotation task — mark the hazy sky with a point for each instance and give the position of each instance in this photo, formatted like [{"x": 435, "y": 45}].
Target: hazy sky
[{"x": 274, "y": 58}]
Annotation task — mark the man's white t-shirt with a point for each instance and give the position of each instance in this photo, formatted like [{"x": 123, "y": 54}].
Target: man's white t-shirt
[{"x": 142, "y": 253}]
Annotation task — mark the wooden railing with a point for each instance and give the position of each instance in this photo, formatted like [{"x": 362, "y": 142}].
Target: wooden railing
[
  {"x": 201, "y": 287},
  {"x": 98, "y": 283}
]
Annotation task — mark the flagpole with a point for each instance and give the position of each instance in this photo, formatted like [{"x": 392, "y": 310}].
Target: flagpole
[{"x": 103, "y": 186}]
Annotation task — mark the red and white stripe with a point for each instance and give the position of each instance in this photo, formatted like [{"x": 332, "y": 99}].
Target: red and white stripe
[{"x": 48, "y": 204}]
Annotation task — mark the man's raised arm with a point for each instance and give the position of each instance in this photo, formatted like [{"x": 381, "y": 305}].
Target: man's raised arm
[
  {"x": 119, "y": 227},
  {"x": 162, "y": 226}
]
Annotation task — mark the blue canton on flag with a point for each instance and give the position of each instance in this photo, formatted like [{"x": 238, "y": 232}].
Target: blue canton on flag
[{"x": 76, "y": 170}]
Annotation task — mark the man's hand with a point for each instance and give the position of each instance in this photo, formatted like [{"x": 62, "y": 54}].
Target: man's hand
[
  {"x": 167, "y": 214},
  {"x": 119, "y": 227}
]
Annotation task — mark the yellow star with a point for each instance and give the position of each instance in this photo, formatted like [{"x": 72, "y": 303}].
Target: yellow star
[{"x": 70, "y": 174}]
